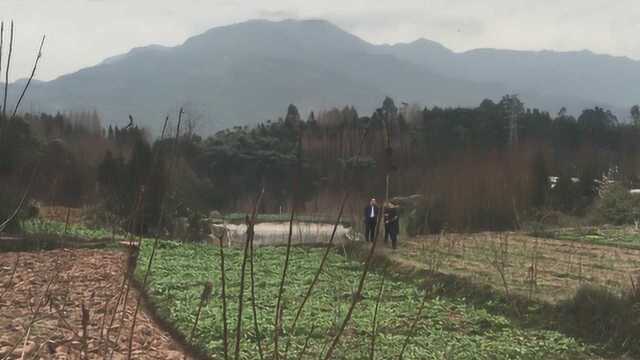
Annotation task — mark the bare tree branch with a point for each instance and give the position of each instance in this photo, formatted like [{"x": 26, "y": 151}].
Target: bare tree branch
[
  {"x": 1, "y": 46},
  {"x": 6, "y": 79},
  {"x": 33, "y": 73},
  {"x": 15, "y": 213}
]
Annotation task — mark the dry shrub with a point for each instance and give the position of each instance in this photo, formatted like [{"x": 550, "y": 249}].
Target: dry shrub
[
  {"x": 498, "y": 257},
  {"x": 599, "y": 315}
]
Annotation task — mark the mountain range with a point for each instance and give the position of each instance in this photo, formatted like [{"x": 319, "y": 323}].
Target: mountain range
[{"x": 249, "y": 72}]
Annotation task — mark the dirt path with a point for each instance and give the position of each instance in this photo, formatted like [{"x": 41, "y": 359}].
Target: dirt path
[{"x": 49, "y": 290}]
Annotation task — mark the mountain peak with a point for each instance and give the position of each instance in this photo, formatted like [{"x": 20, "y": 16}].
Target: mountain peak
[
  {"x": 285, "y": 24},
  {"x": 421, "y": 47},
  {"x": 429, "y": 43},
  {"x": 284, "y": 35},
  {"x": 135, "y": 51}
]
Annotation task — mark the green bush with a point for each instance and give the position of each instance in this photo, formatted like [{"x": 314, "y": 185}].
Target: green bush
[{"x": 617, "y": 206}]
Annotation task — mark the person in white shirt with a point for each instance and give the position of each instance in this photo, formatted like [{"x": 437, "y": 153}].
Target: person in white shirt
[{"x": 371, "y": 213}]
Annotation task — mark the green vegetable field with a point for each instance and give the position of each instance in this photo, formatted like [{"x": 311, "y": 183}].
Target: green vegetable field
[
  {"x": 39, "y": 226},
  {"x": 447, "y": 329}
]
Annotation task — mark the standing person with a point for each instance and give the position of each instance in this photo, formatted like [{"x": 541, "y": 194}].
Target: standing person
[
  {"x": 391, "y": 224},
  {"x": 386, "y": 215},
  {"x": 370, "y": 220}
]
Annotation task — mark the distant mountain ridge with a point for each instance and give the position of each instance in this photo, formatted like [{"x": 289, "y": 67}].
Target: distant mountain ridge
[
  {"x": 581, "y": 74},
  {"x": 249, "y": 72}
]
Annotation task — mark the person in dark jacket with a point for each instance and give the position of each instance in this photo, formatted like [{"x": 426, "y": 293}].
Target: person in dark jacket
[
  {"x": 391, "y": 224},
  {"x": 371, "y": 213}
]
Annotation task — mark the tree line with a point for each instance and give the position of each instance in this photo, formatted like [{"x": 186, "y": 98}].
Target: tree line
[{"x": 487, "y": 167}]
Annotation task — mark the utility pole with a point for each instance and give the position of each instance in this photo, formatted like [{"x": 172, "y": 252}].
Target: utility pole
[
  {"x": 513, "y": 107},
  {"x": 513, "y": 127}
]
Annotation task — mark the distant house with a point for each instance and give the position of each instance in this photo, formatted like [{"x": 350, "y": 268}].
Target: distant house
[{"x": 553, "y": 181}]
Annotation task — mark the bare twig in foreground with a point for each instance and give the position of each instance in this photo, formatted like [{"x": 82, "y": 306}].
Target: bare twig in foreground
[
  {"x": 1, "y": 46},
  {"x": 15, "y": 213},
  {"x": 306, "y": 341},
  {"x": 250, "y": 234},
  {"x": 33, "y": 73},
  {"x": 325, "y": 255},
  {"x": 374, "y": 330},
  {"x": 155, "y": 244},
  {"x": 294, "y": 198},
  {"x": 413, "y": 325},
  {"x": 358, "y": 295},
  {"x": 223, "y": 294},
  {"x": 6, "y": 78},
  {"x": 204, "y": 299}
]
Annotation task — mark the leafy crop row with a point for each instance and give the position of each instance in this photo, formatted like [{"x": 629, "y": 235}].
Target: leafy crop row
[
  {"x": 38, "y": 226},
  {"x": 446, "y": 329},
  {"x": 625, "y": 237}
]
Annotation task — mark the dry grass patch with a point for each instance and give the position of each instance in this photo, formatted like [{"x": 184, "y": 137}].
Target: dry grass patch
[{"x": 543, "y": 269}]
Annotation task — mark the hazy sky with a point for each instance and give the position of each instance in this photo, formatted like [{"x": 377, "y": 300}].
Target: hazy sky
[{"x": 84, "y": 32}]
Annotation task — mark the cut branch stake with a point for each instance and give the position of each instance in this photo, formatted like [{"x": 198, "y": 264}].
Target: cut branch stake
[
  {"x": 413, "y": 326},
  {"x": 204, "y": 299},
  {"x": 253, "y": 302},
  {"x": 374, "y": 330},
  {"x": 223, "y": 294},
  {"x": 155, "y": 243},
  {"x": 357, "y": 296},
  {"x": 279, "y": 309},
  {"x": 250, "y": 234},
  {"x": 325, "y": 255}
]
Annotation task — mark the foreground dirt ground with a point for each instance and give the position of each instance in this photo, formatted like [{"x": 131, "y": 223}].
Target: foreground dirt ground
[
  {"x": 546, "y": 269},
  {"x": 42, "y": 301}
]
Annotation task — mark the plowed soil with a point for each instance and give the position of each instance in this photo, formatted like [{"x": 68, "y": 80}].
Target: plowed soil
[{"x": 42, "y": 297}]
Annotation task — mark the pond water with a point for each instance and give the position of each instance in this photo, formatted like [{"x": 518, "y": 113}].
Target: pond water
[{"x": 277, "y": 233}]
